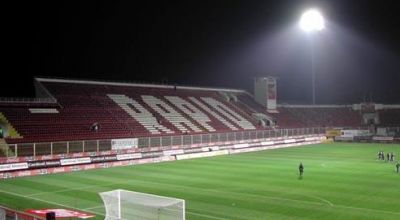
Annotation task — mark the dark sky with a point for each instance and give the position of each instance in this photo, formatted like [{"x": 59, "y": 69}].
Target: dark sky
[{"x": 224, "y": 43}]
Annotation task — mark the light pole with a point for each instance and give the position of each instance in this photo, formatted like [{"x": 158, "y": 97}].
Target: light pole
[{"x": 312, "y": 21}]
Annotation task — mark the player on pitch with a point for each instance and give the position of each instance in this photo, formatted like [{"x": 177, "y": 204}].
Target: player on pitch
[{"x": 301, "y": 169}]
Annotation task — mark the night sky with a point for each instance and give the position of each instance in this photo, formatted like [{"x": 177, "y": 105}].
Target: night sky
[{"x": 222, "y": 43}]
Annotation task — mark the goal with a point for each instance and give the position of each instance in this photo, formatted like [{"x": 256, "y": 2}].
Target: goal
[{"x": 128, "y": 205}]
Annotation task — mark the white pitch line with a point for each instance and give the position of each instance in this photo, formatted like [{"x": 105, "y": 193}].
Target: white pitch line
[
  {"x": 71, "y": 189},
  {"x": 367, "y": 209},
  {"x": 190, "y": 212},
  {"x": 94, "y": 207},
  {"x": 321, "y": 199},
  {"x": 207, "y": 216},
  {"x": 269, "y": 197},
  {"x": 70, "y": 207},
  {"x": 46, "y": 201},
  {"x": 97, "y": 213},
  {"x": 210, "y": 190}
]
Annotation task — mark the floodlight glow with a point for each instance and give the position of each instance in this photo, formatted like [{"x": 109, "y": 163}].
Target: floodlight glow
[{"x": 312, "y": 20}]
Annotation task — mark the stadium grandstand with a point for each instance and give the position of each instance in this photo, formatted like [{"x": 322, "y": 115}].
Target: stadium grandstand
[
  {"x": 77, "y": 116},
  {"x": 73, "y": 116},
  {"x": 74, "y": 125}
]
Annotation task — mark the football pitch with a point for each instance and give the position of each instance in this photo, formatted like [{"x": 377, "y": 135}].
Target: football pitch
[{"x": 341, "y": 181}]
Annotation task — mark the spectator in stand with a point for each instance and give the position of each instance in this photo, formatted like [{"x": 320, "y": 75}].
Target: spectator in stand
[{"x": 95, "y": 127}]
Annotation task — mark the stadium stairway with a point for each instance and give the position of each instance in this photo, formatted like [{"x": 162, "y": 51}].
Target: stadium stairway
[{"x": 12, "y": 132}]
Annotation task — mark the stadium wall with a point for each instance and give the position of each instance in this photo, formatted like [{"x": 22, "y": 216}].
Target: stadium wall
[
  {"x": 34, "y": 168},
  {"x": 47, "y": 150}
]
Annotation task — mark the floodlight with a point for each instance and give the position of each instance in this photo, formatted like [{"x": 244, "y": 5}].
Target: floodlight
[{"x": 312, "y": 20}]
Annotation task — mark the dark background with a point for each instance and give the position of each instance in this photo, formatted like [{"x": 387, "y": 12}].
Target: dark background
[{"x": 222, "y": 43}]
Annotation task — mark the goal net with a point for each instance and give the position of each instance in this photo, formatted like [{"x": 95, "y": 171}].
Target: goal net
[{"x": 129, "y": 205}]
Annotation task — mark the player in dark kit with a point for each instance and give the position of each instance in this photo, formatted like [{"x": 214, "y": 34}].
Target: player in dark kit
[
  {"x": 301, "y": 169},
  {"x": 398, "y": 167},
  {"x": 381, "y": 155}
]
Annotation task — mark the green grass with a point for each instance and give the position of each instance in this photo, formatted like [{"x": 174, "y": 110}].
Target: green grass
[{"x": 341, "y": 181}]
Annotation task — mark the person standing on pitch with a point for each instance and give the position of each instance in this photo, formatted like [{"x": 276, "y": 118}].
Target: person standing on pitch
[
  {"x": 301, "y": 169},
  {"x": 398, "y": 167}
]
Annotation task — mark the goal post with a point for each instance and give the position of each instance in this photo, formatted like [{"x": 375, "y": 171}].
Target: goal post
[{"x": 129, "y": 205}]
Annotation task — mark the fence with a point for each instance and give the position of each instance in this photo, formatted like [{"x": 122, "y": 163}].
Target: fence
[
  {"x": 27, "y": 100},
  {"x": 68, "y": 147}
]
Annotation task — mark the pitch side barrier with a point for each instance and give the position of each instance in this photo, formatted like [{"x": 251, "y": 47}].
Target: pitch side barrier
[
  {"x": 66, "y": 149},
  {"x": 8, "y": 213},
  {"x": 369, "y": 139},
  {"x": 88, "y": 163}
]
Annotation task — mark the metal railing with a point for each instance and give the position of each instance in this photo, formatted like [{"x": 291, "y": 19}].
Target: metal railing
[
  {"x": 26, "y": 100},
  {"x": 8, "y": 213},
  {"x": 70, "y": 147}
]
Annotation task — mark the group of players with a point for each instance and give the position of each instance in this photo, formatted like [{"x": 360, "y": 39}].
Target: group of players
[
  {"x": 381, "y": 156},
  {"x": 389, "y": 157}
]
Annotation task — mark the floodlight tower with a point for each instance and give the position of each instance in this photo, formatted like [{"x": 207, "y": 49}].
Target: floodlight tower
[{"x": 312, "y": 21}]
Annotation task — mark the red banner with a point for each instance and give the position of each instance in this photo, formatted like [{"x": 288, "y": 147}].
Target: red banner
[{"x": 61, "y": 213}]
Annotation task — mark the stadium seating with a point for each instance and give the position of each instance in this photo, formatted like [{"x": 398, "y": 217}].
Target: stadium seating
[
  {"x": 155, "y": 111},
  {"x": 326, "y": 116},
  {"x": 139, "y": 110},
  {"x": 284, "y": 119},
  {"x": 389, "y": 117}
]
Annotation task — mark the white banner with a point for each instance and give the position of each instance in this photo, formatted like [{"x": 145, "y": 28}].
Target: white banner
[
  {"x": 129, "y": 156},
  {"x": 173, "y": 152},
  {"x": 241, "y": 145},
  {"x": 211, "y": 148},
  {"x": 288, "y": 141},
  {"x": 13, "y": 166},
  {"x": 380, "y": 138},
  {"x": 73, "y": 161},
  {"x": 264, "y": 143},
  {"x": 344, "y": 138},
  {"x": 121, "y": 144},
  {"x": 355, "y": 133},
  {"x": 311, "y": 138},
  {"x": 203, "y": 154}
]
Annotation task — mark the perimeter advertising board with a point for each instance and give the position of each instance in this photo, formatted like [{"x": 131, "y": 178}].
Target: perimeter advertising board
[{"x": 126, "y": 143}]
